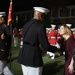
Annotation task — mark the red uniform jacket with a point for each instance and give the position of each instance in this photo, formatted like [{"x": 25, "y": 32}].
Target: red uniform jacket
[{"x": 53, "y": 37}]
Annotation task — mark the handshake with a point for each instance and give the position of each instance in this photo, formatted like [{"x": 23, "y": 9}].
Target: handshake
[
  {"x": 56, "y": 45},
  {"x": 54, "y": 48}
]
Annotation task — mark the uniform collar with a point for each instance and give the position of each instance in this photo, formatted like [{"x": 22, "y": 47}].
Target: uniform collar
[{"x": 36, "y": 20}]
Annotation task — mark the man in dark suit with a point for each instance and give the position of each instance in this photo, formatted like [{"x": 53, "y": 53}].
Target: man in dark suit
[{"x": 34, "y": 38}]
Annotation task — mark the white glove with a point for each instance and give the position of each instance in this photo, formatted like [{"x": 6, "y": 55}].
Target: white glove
[{"x": 57, "y": 45}]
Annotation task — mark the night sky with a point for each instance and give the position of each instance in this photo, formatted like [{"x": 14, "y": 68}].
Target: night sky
[
  {"x": 19, "y": 5},
  {"x": 22, "y": 5}
]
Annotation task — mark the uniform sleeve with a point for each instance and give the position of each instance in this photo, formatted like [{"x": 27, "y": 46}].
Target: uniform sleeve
[{"x": 43, "y": 41}]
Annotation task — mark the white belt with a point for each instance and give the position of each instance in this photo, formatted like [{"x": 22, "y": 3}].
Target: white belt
[
  {"x": 58, "y": 37},
  {"x": 53, "y": 37}
]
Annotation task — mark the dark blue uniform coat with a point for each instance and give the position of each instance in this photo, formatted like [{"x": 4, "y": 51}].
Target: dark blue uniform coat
[
  {"x": 30, "y": 54},
  {"x": 5, "y": 44},
  {"x": 2, "y": 44}
]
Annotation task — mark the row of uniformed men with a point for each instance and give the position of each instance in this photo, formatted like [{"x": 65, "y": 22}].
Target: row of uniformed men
[{"x": 54, "y": 37}]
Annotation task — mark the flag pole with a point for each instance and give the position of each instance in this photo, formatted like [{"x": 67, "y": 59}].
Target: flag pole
[
  {"x": 11, "y": 36},
  {"x": 10, "y": 52},
  {"x": 9, "y": 23}
]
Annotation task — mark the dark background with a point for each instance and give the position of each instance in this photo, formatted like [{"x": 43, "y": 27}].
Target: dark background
[
  {"x": 22, "y": 5},
  {"x": 19, "y": 5}
]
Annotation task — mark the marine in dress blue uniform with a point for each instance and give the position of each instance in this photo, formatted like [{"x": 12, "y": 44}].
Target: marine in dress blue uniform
[
  {"x": 34, "y": 37},
  {"x": 3, "y": 48}
]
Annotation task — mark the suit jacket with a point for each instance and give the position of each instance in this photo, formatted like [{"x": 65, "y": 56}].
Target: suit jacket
[{"x": 30, "y": 54}]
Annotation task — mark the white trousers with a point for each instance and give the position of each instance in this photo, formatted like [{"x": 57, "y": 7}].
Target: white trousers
[
  {"x": 4, "y": 68},
  {"x": 31, "y": 70},
  {"x": 15, "y": 41}
]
